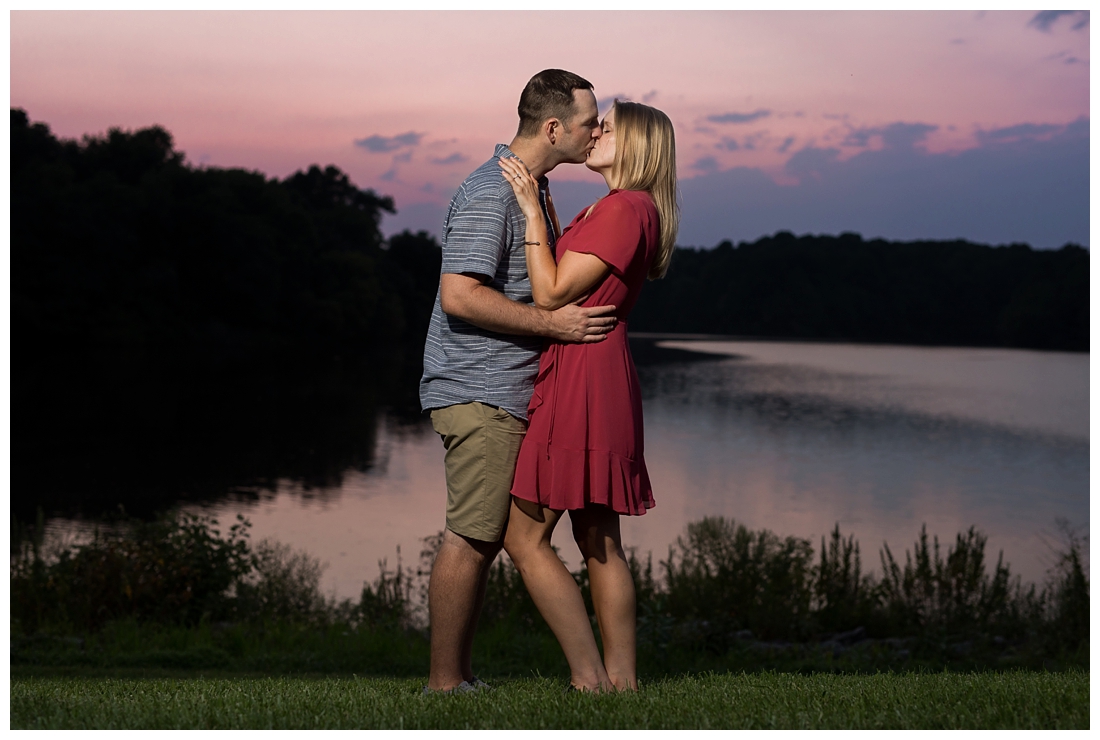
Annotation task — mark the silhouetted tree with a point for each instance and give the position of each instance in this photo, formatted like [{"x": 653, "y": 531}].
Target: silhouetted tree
[
  {"x": 116, "y": 241},
  {"x": 845, "y": 288},
  {"x": 176, "y": 329}
]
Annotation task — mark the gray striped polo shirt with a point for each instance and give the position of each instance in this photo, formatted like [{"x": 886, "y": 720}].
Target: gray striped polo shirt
[{"x": 483, "y": 233}]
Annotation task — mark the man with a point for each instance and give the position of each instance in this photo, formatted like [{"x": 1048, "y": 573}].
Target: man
[{"x": 481, "y": 356}]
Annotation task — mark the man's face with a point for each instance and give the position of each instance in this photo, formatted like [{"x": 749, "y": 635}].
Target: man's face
[{"x": 581, "y": 131}]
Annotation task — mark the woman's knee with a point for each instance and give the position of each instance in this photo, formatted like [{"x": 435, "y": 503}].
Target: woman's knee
[
  {"x": 596, "y": 532},
  {"x": 515, "y": 544},
  {"x": 529, "y": 527}
]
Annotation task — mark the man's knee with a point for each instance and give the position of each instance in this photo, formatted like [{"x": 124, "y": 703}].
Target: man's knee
[{"x": 473, "y": 551}]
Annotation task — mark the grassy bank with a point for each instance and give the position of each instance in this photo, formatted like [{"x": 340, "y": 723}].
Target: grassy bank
[
  {"x": 506, "y": 647},
  {"x": 180, "y": 623},
  {"x": 1022, "y": 700}
]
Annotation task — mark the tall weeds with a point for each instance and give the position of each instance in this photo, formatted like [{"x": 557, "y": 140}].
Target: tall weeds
[
  {"x": 720, "y": 582},
  {"x": 843, "y": 595},
  {"x": 178, "y": 570},
  {"x": 952, "y": 594},
  {"x": 721, "y": 572}
]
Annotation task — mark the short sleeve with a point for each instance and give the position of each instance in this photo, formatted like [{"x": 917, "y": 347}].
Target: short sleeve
[
  {"x": 477, "y": 237},
  {"x": 612, "y": 232}
]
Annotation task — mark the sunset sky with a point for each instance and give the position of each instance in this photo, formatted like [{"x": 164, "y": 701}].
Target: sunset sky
[{"x": 896, "y": 124}]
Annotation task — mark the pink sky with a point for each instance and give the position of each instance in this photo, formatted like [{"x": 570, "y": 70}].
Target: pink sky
[{"x": 278, "y": 91}]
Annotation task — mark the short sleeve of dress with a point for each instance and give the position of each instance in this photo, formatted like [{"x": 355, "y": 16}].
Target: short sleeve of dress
[
  {"x": 478, "y": 233},
  {"x": 612, "y": 232}
]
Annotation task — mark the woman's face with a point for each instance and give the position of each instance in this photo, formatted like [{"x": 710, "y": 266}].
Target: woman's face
[{"x": 602, "y": 156}]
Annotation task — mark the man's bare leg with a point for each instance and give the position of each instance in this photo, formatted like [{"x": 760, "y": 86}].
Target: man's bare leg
[{"x": 456, "y": 592}]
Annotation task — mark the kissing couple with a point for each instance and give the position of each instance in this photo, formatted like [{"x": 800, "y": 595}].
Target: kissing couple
[{"x": 529, "y": 378}]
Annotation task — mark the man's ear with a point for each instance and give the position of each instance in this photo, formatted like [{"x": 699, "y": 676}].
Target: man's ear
[{"x": 552, "y": 129}]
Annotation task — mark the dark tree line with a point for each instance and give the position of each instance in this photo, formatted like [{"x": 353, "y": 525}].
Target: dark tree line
[
  {"x": 845, "y": 288},
  {"x": 181, "y": 331},
  {"x": 116, "y": 241}
]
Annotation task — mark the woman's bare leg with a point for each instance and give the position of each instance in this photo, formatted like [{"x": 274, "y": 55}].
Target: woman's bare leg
[
  {"x": 555, "y": 593},
  {"x": 596, "y": 530}
]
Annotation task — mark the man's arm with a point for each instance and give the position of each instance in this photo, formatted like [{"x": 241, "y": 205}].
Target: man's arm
[{"x": 464, "y": 296}]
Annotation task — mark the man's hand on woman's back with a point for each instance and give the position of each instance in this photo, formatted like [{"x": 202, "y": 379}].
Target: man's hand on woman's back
[
  {"x": 466, "y": 297},
  {"x": 573, "y": 323}
]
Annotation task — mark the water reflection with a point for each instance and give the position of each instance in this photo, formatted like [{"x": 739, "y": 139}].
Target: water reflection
[
  {"x": 790, "y": 436},
  {"x": 794, "y": 445},
  {"x": 799, "y": 444},
  {"x": 1045, "y": 392},
  {"x": 144, "y": 434}
]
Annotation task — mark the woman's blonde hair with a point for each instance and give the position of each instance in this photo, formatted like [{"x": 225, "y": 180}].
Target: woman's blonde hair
[{"x": 645, "y": 159}]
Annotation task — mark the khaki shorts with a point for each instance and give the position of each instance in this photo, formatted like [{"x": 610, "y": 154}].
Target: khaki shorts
[{"x": 482, "y": 444}]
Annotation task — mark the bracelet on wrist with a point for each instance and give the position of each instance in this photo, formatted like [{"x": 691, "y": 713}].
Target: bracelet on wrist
[{"x": 531, "y": 244}]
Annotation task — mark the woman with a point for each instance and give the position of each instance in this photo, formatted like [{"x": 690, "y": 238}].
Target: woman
[{"x": 583, "y": 449}]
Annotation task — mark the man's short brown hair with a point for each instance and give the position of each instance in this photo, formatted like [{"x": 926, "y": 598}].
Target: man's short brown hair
[{"x": 549, "y": 94}]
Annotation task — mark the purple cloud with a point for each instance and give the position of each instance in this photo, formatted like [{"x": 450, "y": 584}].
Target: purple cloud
[
  {"x": 379, "y": 143},
  {"x": 895, "y": 136},
  {"x": 905, "y": 135},
  {"x": 456, "y": 158},
  {"x": 739, "y": 117},
  {"x": 706, "y": 164},
  {"x": 1019, "y": 131},
  {"x": 860, "y": 137},
  {"x": 811, "y": 161},
  {"x": 604, "y": 104},
  {"x": 1044, "y": 19}
]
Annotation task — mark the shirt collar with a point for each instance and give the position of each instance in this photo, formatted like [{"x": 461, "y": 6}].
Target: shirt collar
[{"x": 502, "y": 150}]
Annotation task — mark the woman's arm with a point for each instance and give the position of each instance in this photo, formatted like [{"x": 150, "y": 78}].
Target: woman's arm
[{"x": 553, "y": 284}]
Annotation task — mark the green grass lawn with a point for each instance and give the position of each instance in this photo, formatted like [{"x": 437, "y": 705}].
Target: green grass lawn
[{"x": 1014, "y": 699}]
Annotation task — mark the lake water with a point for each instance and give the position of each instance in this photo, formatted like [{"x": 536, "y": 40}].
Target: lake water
[{"x": 793, "y": 437}]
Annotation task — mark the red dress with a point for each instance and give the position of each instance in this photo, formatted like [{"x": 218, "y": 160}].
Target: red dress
[{"x": 584, "y": 437}]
